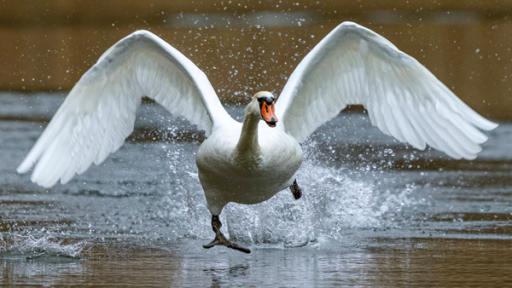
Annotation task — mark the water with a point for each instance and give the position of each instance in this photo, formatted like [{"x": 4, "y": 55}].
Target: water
[{"x": 374, "y": 212}]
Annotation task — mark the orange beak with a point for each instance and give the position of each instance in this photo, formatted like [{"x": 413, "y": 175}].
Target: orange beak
[{"x": 268, "y": 115}]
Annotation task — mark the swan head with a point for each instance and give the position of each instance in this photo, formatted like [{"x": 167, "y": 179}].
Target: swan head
[{"x": 266, "y": 109}]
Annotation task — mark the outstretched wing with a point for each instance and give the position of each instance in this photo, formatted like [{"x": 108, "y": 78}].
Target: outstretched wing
[
  {"x": 354, "y": 65},
  {"x": 99, "y": 112}
]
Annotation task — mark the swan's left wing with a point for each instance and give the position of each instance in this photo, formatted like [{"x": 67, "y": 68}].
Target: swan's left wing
[{"x": 354, "y": 65}]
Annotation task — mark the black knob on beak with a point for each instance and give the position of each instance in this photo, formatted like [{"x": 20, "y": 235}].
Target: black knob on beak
[{"x": 272, "y": 122}]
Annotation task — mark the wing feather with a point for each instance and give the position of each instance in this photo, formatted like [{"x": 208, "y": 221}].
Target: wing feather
[
  {"x": 354, "y": 65},
  {"x": 99, "y": 112}
]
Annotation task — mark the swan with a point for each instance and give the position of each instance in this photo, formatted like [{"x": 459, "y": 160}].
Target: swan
[{"x": 249, "y": 162}]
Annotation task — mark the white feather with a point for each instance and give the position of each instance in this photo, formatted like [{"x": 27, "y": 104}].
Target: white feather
[
  {"x": 354, "y": 65},
  {"x": 99, "y": 112}
]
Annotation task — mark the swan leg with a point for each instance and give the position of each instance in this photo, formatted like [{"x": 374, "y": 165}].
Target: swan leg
[
  {"x": 296, "y": 190},
  {"x": 220, "y": 239}
]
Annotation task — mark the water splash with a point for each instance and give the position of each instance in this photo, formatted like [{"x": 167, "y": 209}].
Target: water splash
[
  {"x": 46, "y": 245},
  {"x": 332, "y": 203}
]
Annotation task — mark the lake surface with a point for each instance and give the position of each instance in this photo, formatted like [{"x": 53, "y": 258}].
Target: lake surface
[{"x": 374, "y": 213}]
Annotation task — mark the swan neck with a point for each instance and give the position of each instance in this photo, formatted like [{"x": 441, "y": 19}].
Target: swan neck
[{"x": 248, "y": 142}]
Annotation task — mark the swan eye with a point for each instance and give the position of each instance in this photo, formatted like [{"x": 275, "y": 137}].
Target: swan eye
[{"x": 267, "y": 99}]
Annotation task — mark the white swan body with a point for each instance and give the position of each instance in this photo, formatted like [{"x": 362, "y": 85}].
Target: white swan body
[
  {"x": 250, "y": 162},
  {"x": 249, "y": 174}
]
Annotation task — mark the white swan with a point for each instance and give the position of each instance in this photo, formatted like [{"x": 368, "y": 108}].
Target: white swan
[{"x": 250, "y": 162}]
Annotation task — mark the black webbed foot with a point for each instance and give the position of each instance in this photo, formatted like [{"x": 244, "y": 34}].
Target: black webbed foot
[{"x": 220, "y": 239}]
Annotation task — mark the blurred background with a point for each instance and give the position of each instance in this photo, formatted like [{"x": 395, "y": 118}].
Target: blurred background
[{"x": 244, "y": 46}]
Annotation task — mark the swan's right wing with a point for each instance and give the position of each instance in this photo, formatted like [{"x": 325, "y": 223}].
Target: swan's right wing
[{"x": 99, "y": 112}]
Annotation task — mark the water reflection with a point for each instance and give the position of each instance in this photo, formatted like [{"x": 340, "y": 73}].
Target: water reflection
[{"x": 385, "y": 262}]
